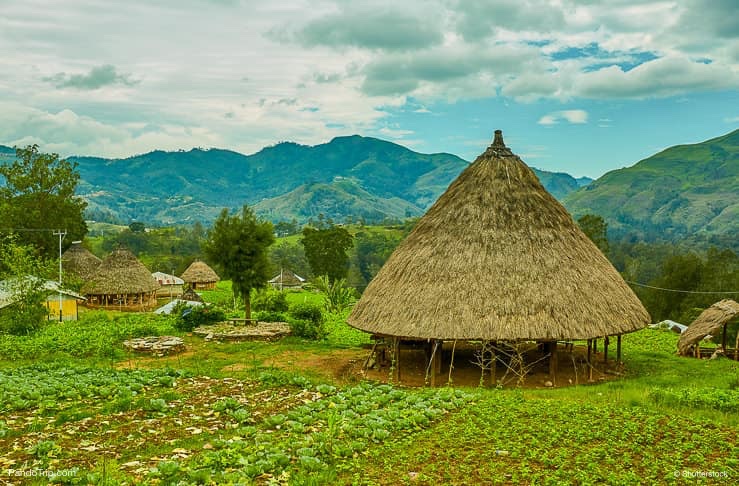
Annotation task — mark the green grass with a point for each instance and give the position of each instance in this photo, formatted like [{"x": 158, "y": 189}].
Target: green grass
[{"x": 232, "y": 417}]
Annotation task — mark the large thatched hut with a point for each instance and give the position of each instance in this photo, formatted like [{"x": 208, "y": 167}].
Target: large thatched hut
[
  {"x": 79, "y": 261},
  {"x": 121, "y": 282},
  {"x": 709, "y": 323},
  {"x": 199, "y": 276},
  {"x": 287, "y": 279},
  {"x": 498, "y": 258}
]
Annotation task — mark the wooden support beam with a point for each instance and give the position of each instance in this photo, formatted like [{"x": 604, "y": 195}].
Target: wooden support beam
[
  {"x": 590, "y": 363},
  {"x": 595, "y": 345},
  {"x": 723, "y": 339},
  {"x": 618, "y": 349},
  {"x": 396, "y": 360},
  {"x": 437, "y": 359},
  {"x": 606, "y": 342},
  {"x": 493, "y": 365},
  {"x": 552, "y": 346}
]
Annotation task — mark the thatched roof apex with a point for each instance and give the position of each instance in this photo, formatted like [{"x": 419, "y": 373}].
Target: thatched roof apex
[
  {"x": 120, "y": 273},
  {"x": 199, "y": 272},
  {"x": 498, "y": 258},
  {"x": 287, "y": 277},
  {"x": 80, "y": 261},
  {"x": 708, "y": 323}
]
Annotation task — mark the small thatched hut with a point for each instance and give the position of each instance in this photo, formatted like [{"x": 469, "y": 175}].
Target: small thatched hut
[
  {"x": 287, "y": 279},
  {"x": 199, "y": 276},
  {"x": 709, "y": 323},
  {"x": 79, "y": 261},
  {"x": 121, "y": 282},
  {"x": 498, "y": 258}
]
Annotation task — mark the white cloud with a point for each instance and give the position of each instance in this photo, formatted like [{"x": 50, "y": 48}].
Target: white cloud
[{"x": 575, "y": 117}]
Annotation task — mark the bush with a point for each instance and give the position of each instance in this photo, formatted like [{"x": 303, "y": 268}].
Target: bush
[
  {"x": 307, "y": 311},
  {"x": 269, "y": 316},
  {"x": 188, "y": 318},
  {"x": 269, "y": 300},
  {"x": 307, "y": 329}
]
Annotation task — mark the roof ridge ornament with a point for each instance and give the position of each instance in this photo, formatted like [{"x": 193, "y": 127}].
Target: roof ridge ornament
[{"x": 498, "y": 148}]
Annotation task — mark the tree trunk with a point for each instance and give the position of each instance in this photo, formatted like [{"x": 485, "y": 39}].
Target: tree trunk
[{"x": 247, "y": 305}]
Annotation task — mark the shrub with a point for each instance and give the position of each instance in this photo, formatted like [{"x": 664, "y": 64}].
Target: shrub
[
  {"x": 188, "y": 318},
  {"x": 269, "y": 316},
  {"x": 269, "y": 300},
  {"x": 307, "y": 329},
  {"x": 337, "y": 295},
  {"x": 307, "y": 311}
]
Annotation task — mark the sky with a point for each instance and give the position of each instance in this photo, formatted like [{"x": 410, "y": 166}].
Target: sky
[{"x": 582, "y": 87}]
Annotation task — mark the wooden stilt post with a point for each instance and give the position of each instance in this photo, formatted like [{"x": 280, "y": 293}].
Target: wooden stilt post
[
  {"x": 595, "y": 345},
  {"x": 605, "y": 349},
  {"x": 618, "y": 349},
  {"x": 590, "y": 364},
  {"x": 723, "y": 339},
  {"x": 451, "y": 362},
  {"x": 437, "y": 359},
  {"x": 396, "y": 360},
  {"x": 493, "y": 365},
  {"x": 552, "y": 346}
]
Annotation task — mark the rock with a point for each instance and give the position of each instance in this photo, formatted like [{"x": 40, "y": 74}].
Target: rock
[
  {"x": 548, "y": 384},
  {"x": 157, "y": 345}
]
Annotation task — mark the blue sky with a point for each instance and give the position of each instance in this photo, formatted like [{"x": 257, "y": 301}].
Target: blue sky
[{"x": 576, "y": 86}]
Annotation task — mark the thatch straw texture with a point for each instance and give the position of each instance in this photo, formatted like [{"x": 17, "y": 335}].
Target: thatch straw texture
[
  {"x": 199, "y": 272},
  {"x": 708, "y": 323},
  {"x": 121, "y": 273},
  {"x": 79, "y": 261},
  {"x": 498, "y": 258}
]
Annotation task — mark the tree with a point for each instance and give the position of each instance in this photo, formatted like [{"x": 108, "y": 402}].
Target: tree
[
  {"x": 137, "y": 227},
  {"x": 37, "y": 193},
  {"x": 237, "y": 244},
  {"x": 289, "y": 255},
  {"x": 596, "y": 229},
  {"x": 22, "y": 274},
  {"x": 325, "y": 250}
]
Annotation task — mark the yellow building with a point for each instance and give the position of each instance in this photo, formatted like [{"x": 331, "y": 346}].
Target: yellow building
[{"x": 9, "y": 295}]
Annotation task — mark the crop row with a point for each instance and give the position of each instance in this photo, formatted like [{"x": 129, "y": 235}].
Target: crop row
[{"x": 317, "y": 439}]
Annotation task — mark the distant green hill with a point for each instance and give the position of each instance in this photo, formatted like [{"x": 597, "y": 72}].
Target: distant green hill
[
  {"x": 684, "y": 191},
  {"x": 357, "y": 177}
]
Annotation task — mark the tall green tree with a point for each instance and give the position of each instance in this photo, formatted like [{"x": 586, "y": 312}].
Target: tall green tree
[
  {"x": 22, "y": 276},
  {"x": 596, "y": 229},
  {"x": 326, "y": 249},
  {"x": 238, "y": 246},
  {"x": 37, "y": 193}
]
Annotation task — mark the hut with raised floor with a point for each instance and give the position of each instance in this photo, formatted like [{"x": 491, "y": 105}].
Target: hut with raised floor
[
  {"x": 713, "y": 321},
  {"x": 199, "y": 276},
  {"x": 121, "y": 282},
  {"x": 287, "y": 279},
  {"x": 496, "y": 259},
  {"x": 79, "y": 261}
]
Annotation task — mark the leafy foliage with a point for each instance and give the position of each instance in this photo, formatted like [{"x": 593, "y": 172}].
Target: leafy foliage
[
  {"x": 596, "y": 229},
  {"x": 238, "y": 246},
  {"x": 269, "y": 300},
  {"x": 337, "y": 295},
  {"x": 96, "y": 334},
  {"x": 37, "y": 193},
  {"x": 325, "y": 249},
  {"x": 189, "y": 317}
]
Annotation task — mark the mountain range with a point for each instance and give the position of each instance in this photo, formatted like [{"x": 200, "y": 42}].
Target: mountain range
[
  {"x": 682, "y": 191},
  {"x": 357, "y": 177},
  {"x": 685, "y": 191}
]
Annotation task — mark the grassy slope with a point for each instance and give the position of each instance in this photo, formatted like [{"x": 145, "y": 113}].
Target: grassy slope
[
  {"x": 667, "y": 414},
  {"x": 690, "y": 188}
]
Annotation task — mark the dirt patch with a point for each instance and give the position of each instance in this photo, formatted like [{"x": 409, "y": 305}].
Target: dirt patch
[{"x": 347, "y": 366}]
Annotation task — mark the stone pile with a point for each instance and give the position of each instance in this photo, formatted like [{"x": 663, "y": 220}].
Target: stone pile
[{"x": 156, "y": 345}]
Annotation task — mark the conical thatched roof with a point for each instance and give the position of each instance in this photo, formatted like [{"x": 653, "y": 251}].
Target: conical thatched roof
[
  {"x": 79, "y": 261},
  {"x": 708, "y": 323},
  {"x": 288, "y": 278},
  {"x": 199, "y": 272},
  {"x": 497, "y": 257},
  {"x": 120, "y": 273},
  {"x": 191, "y": 295}
]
